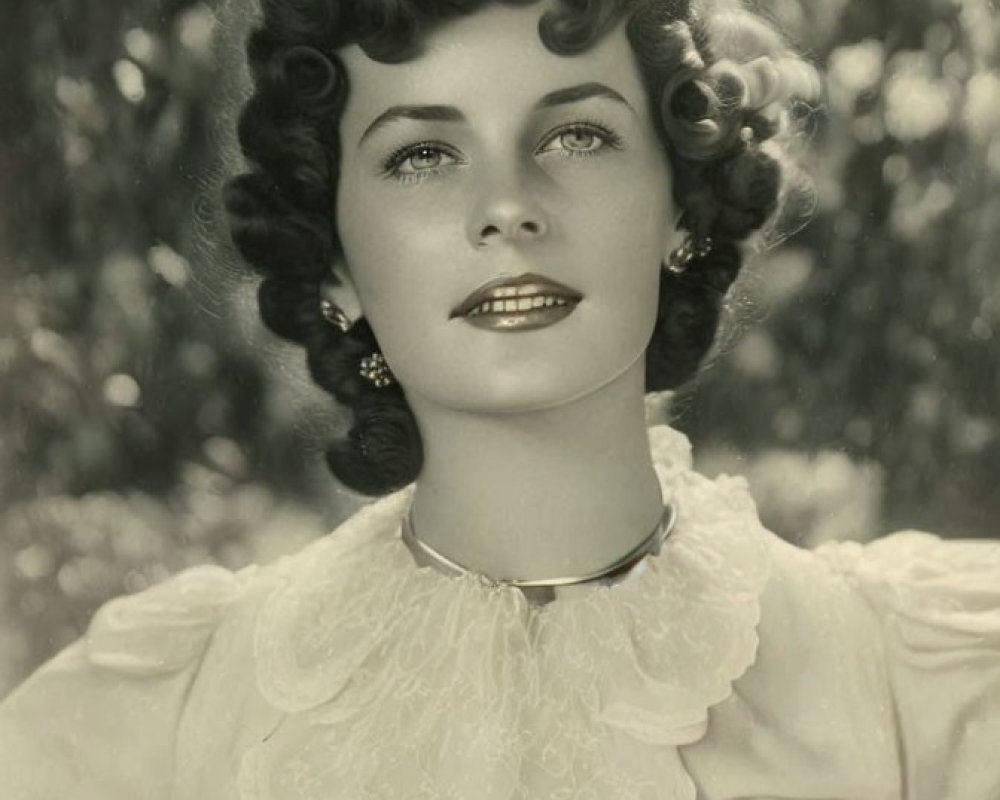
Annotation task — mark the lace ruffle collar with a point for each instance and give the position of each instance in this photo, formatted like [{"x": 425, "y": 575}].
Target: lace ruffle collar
[{"x": 398, "y": 681}]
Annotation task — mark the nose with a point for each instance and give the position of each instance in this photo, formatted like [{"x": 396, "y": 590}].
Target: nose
[{"x": 507, "y": 211}]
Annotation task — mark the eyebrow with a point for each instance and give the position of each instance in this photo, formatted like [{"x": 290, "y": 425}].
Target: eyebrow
[
  {"x": 583, "y": 91},
  {"x": 439, "y": 113}
]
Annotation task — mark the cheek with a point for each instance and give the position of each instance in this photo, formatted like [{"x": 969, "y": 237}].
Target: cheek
[
  {"x": 627, "y": 201},
  {"x": 382, "y": 249},
  {"x": 397, "y": 224},
  {"x": 628, "y": 230},
  {"x": 398, "y": 252}
]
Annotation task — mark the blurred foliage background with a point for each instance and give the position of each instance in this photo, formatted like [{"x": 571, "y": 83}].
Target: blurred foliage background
[{"x": 146, "y": 422}]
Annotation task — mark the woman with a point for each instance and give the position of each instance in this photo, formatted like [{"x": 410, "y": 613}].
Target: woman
[{"x": 538, "y": 208}]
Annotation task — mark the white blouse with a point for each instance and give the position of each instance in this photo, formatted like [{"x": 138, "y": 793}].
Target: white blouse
[{"x": 730, "y": 665}]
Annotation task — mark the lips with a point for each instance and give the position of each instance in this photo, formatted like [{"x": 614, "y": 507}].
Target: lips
[{"x": 525, "y": 293}]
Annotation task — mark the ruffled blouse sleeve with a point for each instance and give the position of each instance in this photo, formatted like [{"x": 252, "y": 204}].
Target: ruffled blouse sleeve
[
  {"x": 939, "y": 606},
  {"x": 99, "y": 721}
]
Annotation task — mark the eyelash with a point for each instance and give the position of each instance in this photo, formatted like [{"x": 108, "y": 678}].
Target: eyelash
[{"x": 391, "y": 164}]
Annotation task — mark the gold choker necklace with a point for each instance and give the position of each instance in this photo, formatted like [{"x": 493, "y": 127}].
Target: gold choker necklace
[{"x": 651, "y": 544}]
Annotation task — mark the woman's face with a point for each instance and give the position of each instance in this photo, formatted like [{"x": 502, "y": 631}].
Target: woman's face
[{"x": 489, "y": 157}]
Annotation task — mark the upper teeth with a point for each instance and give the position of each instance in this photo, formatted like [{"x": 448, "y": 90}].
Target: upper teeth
[
  {"x": 518, "y": 304},
  {"x": 514, "y": 291}
]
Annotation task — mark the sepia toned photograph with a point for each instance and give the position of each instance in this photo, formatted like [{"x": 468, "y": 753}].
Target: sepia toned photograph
[{"x": 500, "y": 400}]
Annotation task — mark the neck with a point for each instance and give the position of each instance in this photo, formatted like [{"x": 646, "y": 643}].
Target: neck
[{"x": 541, "y": 494}]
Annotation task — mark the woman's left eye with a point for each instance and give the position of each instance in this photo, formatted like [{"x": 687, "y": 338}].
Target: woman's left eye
[{"x": 580, "y": 140}]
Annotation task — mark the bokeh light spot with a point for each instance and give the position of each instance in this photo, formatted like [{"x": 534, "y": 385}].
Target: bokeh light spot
[
  {"x": 122, "y": 390},
  {"x": 169, "y": 265},
  {"x": 139, "y": 44},
  {"x": 131, "y": 83},
  {"x": 194, "y": 29}
]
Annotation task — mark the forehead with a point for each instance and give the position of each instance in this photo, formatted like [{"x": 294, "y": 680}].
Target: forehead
[{"x": 494, "y": 55}]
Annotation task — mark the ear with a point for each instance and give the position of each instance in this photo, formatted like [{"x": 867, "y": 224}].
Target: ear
[{"x": 342, "y": 292}]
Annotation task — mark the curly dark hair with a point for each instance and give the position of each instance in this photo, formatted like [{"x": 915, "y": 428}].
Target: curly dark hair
[{"x": 710, "y": 77}]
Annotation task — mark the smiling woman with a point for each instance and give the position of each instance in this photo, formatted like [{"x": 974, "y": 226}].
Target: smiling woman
[
  {"x": 493, "y": 228},
  {"x": 499, "y": 171},
  {"x": 519, "y": 178}
]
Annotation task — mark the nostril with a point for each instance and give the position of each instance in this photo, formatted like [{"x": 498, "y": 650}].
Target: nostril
[{"x": 512, "y": 230}]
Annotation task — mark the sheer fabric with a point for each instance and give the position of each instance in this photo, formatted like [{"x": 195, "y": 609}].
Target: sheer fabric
[{"x": 729, "y": 665}]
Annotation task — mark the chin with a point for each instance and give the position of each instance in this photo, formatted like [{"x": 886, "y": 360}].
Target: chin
[
  {"x": 519, "y": 373},
  {"x": 522, "y": 391},
  {"x": 508, "y": 393}
]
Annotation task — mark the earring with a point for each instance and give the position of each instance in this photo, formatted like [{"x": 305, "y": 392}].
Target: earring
[
  {"x": 375, "y": 369},
  {"x": 335, "y": 315},
  {"x": 338, "y": 300},
  {"x": 691, "y": 248}
]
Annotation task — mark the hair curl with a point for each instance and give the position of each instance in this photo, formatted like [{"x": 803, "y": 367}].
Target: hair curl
[{"x": 710, "y": 75}]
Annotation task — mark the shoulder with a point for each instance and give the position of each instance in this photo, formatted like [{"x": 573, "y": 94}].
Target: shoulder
[
  {"x": 930, "y": 592},
  {"x": 171, "y": 625},
  {"x": 817, "y": 688},
  {"x": 167, "y": 626},
  {"x": 920, "y": 594},
  {"x": 937, "y": 603},
  {"x": 821, "y": 646},
  {"x": 158, "y": 678},
  {"x": 100, "y": 719}
]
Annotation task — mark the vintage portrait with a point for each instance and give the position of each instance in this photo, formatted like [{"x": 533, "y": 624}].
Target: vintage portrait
[{"x": 500, "y": 400}]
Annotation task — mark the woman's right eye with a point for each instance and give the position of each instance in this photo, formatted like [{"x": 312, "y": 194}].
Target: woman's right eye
[{"x": 414, "y": 162}]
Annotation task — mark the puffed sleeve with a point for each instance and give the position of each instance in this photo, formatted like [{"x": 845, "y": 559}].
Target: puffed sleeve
[
  {"x": 938, "y": 603},
  {"x": 99, "y": 721}
]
